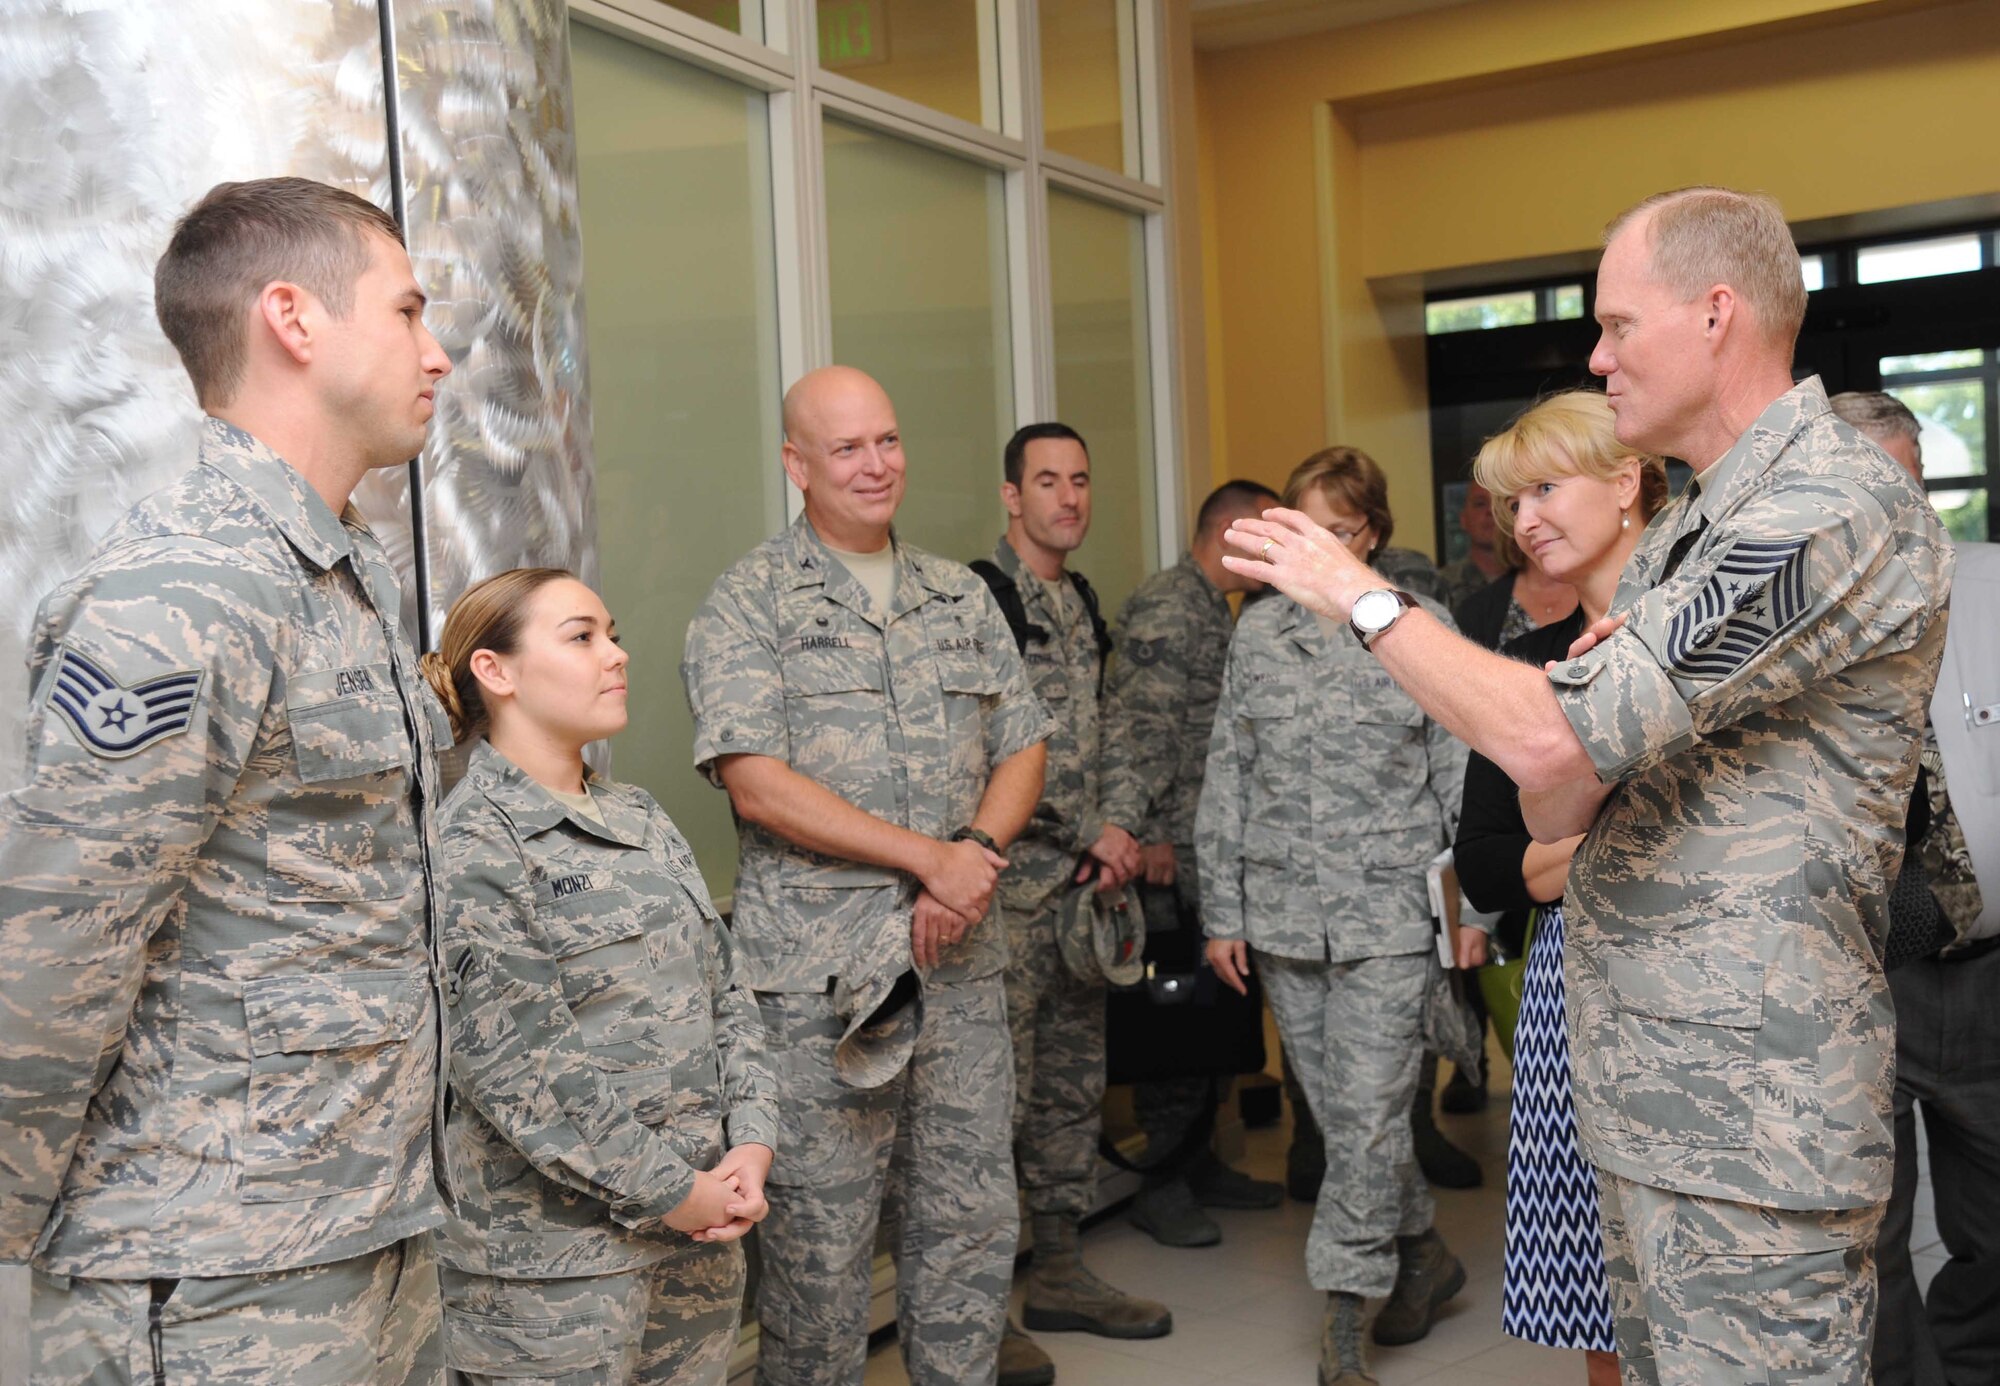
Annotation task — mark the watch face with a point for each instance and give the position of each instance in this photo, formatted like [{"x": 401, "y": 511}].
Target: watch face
[{"x": 1374, "y": 610}]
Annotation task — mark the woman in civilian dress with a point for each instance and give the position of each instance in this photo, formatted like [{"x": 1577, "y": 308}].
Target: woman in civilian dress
[{"x": 1577, "y": 501}]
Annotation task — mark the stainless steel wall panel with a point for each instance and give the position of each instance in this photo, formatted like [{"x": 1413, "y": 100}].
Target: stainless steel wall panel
[
  {"x": 113, "y": 118},
  {"x": 489, "y": 170}
]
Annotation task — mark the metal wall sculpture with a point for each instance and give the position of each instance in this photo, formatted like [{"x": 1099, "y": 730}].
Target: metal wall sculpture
[{"x": 114, "y": 118}]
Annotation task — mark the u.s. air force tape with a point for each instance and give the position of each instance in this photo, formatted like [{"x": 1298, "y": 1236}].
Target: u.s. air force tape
[
  {"x": 1757, "y": 590},
  {"x": 114, "y": 719}
]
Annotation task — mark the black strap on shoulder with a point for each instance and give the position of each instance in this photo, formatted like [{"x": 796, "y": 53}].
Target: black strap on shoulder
[
  {"x": 1098, "y": 629},
  {"x": 1011, "y": 606}
]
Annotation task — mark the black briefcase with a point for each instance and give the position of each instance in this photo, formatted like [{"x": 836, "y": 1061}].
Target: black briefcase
[{"x": 1181, "y": 1021}]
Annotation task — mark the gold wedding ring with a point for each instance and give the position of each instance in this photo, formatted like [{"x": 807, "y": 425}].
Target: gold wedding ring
[{"x": 1265, "y": 552}]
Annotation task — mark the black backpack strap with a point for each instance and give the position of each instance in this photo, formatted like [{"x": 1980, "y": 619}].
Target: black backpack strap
[
  {"x": 1098, "y": 629},
  {"x": 1011, "y": 606}
]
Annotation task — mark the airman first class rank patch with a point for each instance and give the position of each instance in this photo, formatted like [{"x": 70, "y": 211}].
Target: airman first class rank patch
[
  {"x": 114, "y": 720},
  {"x": 1757, "y": 590}
]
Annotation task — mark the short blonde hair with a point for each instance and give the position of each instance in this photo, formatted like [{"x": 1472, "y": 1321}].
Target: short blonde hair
[
  {"x": 1702, "y": 236},
  {"x": 1349, "y": 477},
  {"x": 1569, "y": 434}
]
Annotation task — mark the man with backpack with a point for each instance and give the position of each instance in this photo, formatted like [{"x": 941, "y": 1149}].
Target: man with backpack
[{"x": 1057, "y": 1019}]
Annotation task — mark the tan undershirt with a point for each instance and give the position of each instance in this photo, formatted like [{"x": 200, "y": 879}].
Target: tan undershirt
[
  {"x": 876, "y": 572},
  {"x": 581, "y": 804}
]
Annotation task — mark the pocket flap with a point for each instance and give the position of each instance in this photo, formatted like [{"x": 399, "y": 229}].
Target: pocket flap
[
  {"x": 589, "y": 919},
  {"x": 488, "y": 1345},
  {"x": 1381, "y": 702},
  {"x": 340, "y": 1010},
  {"x": 1270, "y": 846},
  {"x": 1410, "y": 847},
  {"x": 813, "y": 672},
  {"x": 1261, "y": 700},
  {"x": 1704, "y": 991},
  {"x": 346, "y": 723}
]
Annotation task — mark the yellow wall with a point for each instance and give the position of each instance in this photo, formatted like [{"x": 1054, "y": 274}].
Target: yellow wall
[{"x": 1343, "y": 168}]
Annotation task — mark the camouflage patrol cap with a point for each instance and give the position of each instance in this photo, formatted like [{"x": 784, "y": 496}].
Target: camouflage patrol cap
[
  {"x": 879, "y": 1030},
  {"x": 1101, "y": 937}
]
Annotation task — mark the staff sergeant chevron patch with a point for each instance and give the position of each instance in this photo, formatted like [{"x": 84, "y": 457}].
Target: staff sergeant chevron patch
[
  {"x": 1755, "y": 592},
  {"x": 114, "y": 720}
]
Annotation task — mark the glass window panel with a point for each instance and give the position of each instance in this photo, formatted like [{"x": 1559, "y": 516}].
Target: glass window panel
[
  {"x": 1813, "y": 269},
  {"x": 1930, "y": 361},
  {"x": 1963, "y": 514},
  {"x": 1877, "y": 264},
  {"x": 1103, "y": 361},
  {"x": 1569, "y": 302},
  {"x": 933, "y": 52},
  {"x": 745, "y": 17},
  {"x": 680, "y": 297},
  {"x": 917, "y": 258},
  {"x": 1487, "y": 310},
  {"x": 1088, "y": 72},
  {"x": 1953, "y": 415}
]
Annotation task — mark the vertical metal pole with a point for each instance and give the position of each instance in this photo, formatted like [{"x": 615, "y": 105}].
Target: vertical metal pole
[{"x": 420, "y": 553}]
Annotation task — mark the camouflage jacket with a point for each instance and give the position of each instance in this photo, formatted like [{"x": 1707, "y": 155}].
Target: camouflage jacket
[
  {"x": 1327, "y": 794},
  {"x": 905, "y": 719},
  {"x": 219, "y": 1053},
  {"x": 1166, "y": 675},
  {"x": 1458, "y": 580},
  {"x": 602, "y": 1047},
  {"x": 1759, "y": 716},
  {"x": 1062, "y": 665}
]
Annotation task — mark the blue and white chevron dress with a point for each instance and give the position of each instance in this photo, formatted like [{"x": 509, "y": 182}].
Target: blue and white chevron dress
[{"x": 1553, "y": 1290}]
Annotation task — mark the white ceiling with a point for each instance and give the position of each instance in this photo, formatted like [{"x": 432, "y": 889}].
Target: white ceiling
[{"x": 1232, "y": 23}]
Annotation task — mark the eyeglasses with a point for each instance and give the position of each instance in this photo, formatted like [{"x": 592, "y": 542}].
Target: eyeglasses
[{"x": 1348, "y": 536}]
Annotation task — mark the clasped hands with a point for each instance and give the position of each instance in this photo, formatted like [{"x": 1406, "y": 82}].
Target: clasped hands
[{"x": 726, "y": 1201}]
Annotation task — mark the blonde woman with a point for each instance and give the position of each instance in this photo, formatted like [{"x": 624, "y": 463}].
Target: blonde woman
[
  {"x": 612, "y": 1115},
  {"x": 1577, "y": 503}
]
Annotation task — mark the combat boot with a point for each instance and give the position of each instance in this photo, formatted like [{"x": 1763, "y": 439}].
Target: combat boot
[
  {"x": 1216, "y": 1185},
  {"x": 1343, "y": 1357},
  {"x": 1022, "y": 1362},
  {"x": 1064, "y": 1296},
  {"x": 1442, "y": 1163},
  {"x": 1427, "y": 1275},
  {"x": 1169, "y": 1215}
]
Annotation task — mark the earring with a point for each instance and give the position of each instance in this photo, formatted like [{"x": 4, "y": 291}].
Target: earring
[{"x": 1624, "y": 519}]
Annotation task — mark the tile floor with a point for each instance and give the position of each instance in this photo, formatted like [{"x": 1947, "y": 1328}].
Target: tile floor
[{"x": 1244, "y": 1315}]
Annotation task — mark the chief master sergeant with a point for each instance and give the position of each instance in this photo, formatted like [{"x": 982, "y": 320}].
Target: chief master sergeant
[
  {"x": 1739, "y": 739},
  {"x": 864, "y": 706},
  {"x": 219, "y": 1052}
]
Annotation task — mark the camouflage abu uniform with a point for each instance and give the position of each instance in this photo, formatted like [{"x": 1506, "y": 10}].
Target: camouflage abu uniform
[
  {"x": 1057, "y": 1021},
  {"x": 1328, "y": 793},
  {"x": 905, "y": 717},
  {"x": 1172, "y": 639},
  {"x": 221, "y": 1038},
  {"x": 601, "y": 1054},
  {"x": 1733, "y": 1036}
]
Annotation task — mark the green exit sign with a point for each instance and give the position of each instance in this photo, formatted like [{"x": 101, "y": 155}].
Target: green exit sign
[{"x": 852, "y": 33}]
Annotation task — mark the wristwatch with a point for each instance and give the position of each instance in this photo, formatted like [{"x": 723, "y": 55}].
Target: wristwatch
[
  {"x": 972, "y": 834},
  {"x": 1376, "y": 611}
]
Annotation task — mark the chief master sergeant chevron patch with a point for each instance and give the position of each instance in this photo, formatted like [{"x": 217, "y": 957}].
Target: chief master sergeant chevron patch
[{"x": 1757, "y": 590}]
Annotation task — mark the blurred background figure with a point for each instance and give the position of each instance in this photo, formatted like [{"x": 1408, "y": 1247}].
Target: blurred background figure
[{"x": 1484, "y": 559}]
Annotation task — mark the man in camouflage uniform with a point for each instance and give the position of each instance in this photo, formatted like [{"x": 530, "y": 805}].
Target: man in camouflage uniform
[
  {"x": 1739, "y": 741},
  {"x": 863, "y": 703},
  {"x": 1943, "y": 957},
  {"x": 1482, "y": 563},
  {"x": 221, "y": 1043},
  {"x": 1057, "y": 1021},
  {"x": 1172, "y": 641}
]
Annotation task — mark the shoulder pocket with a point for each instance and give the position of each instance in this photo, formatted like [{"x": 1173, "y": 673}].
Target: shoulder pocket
[{"x": 337, "y": 1091}]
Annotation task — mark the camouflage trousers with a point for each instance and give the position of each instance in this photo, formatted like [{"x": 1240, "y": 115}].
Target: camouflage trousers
[
  {"x": 1057, "y": 1025},
  {"x": 1711, "y": 1292},
  {"x": 371, "y": 1320},
  {"x": 1168, "y": 1110},
  {"x": 927, "y": 1154},
  {"x": 1351, "y": 1030},
  {"x": 674, "y": 1321}
]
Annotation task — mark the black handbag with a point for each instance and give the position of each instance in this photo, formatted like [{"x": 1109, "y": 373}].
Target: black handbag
[{"x": 1180, "y": 1021}]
